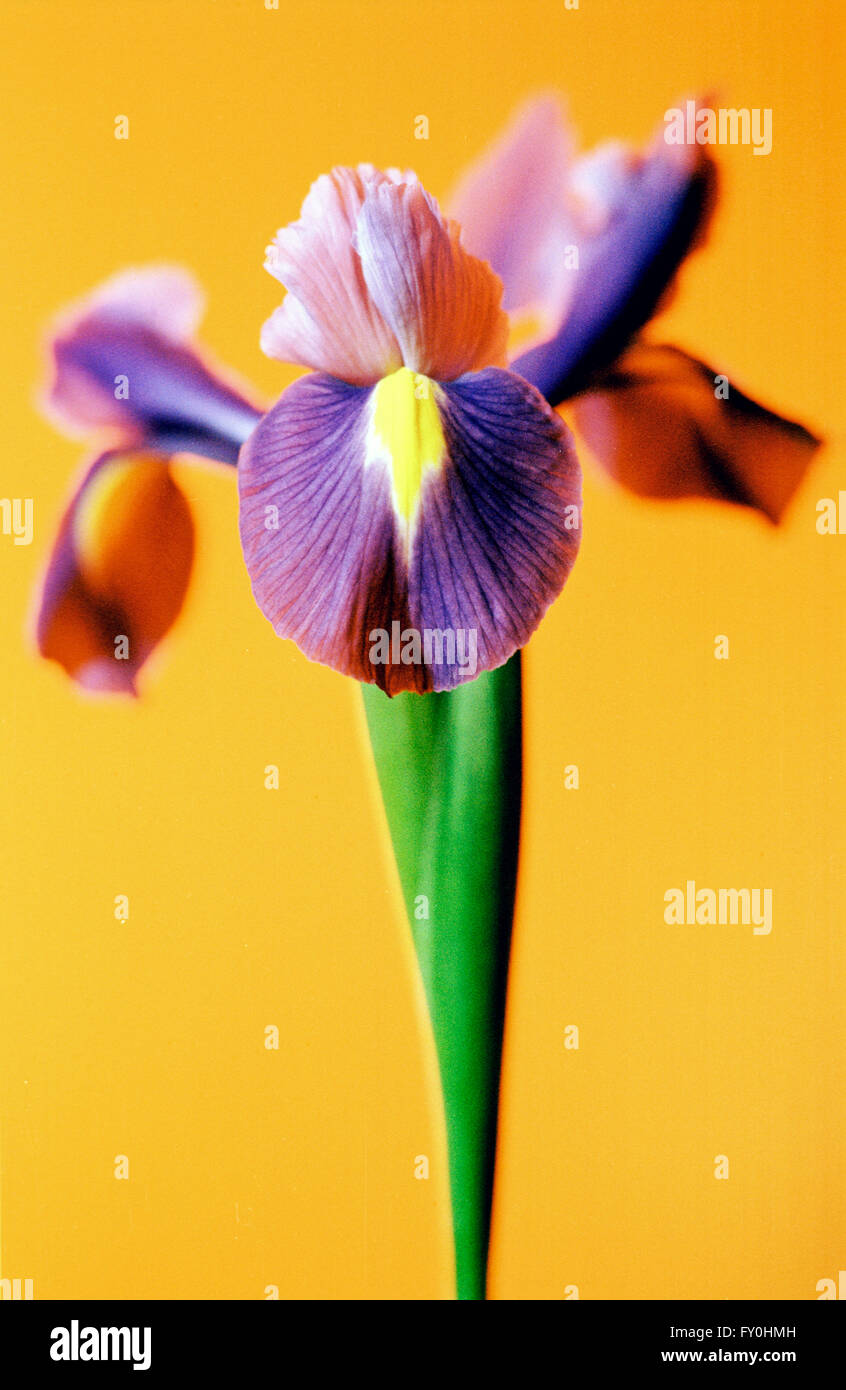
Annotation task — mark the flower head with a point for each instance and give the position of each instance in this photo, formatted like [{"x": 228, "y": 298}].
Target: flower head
[
  {"x": 412, "y": 480},
  {"x": 126, "y": 376}
]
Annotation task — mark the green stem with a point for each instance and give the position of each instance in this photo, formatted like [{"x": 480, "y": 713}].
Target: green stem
[{"x": 450, "y": 771}]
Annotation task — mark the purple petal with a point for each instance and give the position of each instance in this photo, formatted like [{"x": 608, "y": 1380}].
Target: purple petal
[
  {"x": 119, "y": 363},
  {"x": 484, "y": 550},
  {"x": 164, "y": 298},
  {"x": 625, "y": 270},
  {"x": 317, "y": 527},
  {"x": 500, "y": 527}
]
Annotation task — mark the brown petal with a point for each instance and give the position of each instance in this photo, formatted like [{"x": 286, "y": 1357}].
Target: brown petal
[{"x": 657, "y": 422}]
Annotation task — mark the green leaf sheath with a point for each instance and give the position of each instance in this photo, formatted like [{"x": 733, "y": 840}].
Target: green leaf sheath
[{"x": 450, "y": 770}]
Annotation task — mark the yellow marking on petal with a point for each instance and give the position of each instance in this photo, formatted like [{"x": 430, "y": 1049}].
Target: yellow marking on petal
[
  {"x": 118, "y": 501},
  {"x": 134, "y": 544},
  {"x": 407, "y": 423}
]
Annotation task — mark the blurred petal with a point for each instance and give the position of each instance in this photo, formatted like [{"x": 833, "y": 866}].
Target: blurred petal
[
  {"x": 451, "y": 508},
  {"x": 119, "y": 363},
  {"x": 119, "y": 570},
  {"x": 599, "y": 183},
  {"x": 328, "y": 319},
  {"x": 442, "y": 304},
  {"x": 625, "y": 270},
  {"x": 163, "y": 298},
  {"x": 511, "y": 207},
  {"x": 657, "y": 425}
]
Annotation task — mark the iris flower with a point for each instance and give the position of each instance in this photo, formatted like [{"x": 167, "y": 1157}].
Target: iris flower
[
  {"x": 418, "y": 479},
  {"x": 125, "y": 377},
  {"x": 412, "y": 484}
]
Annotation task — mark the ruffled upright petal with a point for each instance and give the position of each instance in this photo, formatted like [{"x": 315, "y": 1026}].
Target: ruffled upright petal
[
  {"x": 118, "y": 573},
  {"x": 375, "y": 522},
  {"x": 121, "y": 362},
  {"x": 442, "y": 304},
  {"x": 328, "y": 319}
]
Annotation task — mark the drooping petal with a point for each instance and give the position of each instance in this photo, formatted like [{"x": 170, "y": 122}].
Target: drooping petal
[
  {"x": 500, "y": 526},
  {"x": 512, "y": 210},
  {"x": 120, "y": 362},
  {"x": 328, "y": 319},
  {"x": 442, "y": 304},
  {"x": 625, "y": 270},
  {"x": 118, "y": 572},
  {"x": 369, "y": 516},
  {"x": 662, "y": 424}
]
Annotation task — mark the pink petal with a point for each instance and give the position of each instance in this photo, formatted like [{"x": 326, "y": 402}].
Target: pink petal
[
  {"x": 487, "y": 547},
  {"x": 511, "y": 207},
  {"x": 328, "y": 319},
  {"x": 442, "y": 304},
  {"x": 163, "y": 298}
]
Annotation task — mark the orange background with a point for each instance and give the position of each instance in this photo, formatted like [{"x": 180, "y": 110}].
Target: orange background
[{"x": 251, "y": 907}]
